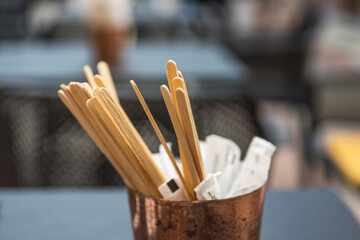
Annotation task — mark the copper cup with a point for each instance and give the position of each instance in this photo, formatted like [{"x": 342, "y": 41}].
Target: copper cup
[{"x": 232, "y": 218}]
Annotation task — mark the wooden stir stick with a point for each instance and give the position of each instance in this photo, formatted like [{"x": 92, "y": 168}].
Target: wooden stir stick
[
  {"x": 187, "y": 160},
  {"x": 87, "y": 90},
  {"x": 190, "y": 130},
  {"x": 179, "y": 82},
  {"x": 89, "y": 75},
  {"x": 104, "y": 70},
  {"x": 180, "y": 74},
  {"x": 171, "y": 73},
  {"x": 86, "y": 125},
  {"x": 116, "y": 157},
  {"x": 99, "y": 81},
  {"x": 144, "y": 154},
  {"x": 80, "y": 98},
  {"x": 122, "y": 142},
  {"x": 189, "y": 193},
  {"x": 193, "y": 138},
  {"x": 121, "y": 159}
]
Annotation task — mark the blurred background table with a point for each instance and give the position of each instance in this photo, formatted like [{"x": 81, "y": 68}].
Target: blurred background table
[
  {"x": 103, "y": 214},
  {"x": 38, "y": 68}
]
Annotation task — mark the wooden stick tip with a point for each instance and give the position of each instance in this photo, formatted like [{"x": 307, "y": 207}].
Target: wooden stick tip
[
  {"x": 101, "y": 63},
  {"x": 178, "y": 79},
  {"x": 180, "y": 91},
  {"x": 103, "y": 90},
  {"x": 71, "y": 85},
  {"x": 164, "y": 88},
  {"x": 89, "y": 101},
  {"x": 170, "y": 63}
]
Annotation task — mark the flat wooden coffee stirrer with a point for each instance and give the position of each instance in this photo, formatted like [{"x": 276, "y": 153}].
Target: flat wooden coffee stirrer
[
  {"x": 99, "y": 80},
  {"x": 190, "y": 129},
  {"x": 143, "y": 153},
  {"x": 104, "y": 70},
  {"x": 189, "y": 193},
  {"x": 180, "y": 74},
  {"x": 89, "y": 75},
  {"x": 171, "y": 73},
  {"x": 104, "y": 130},
  {"x": 121, "y": 158},
  {"x": 179, "y": 82},
  {"x": 187, "y": 160},
  {"x": 81, "y": 98},
  {"x": 191, "y": 135},
  {"x": 85, "y": 123},
  {"x": 122, "y": 142}
]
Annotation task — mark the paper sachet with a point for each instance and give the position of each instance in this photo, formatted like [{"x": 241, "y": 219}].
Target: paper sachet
[
  {"x": 254, "y": 169},
  {"x": 173, "y": 189},
  {"x": 209, "y": 188},
  {"x": 227, "y": 175}
]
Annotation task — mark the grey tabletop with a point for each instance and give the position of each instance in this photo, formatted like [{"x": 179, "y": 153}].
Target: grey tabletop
[
  {"x": 103, "y": 214},
  {"x": 40, "y": 67}
]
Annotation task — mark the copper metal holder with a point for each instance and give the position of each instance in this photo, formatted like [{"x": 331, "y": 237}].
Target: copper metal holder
[{"x": 232, "y": 218}]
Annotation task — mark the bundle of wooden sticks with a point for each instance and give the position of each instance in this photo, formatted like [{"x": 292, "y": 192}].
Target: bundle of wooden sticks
[{"x": 96, "y": 107}]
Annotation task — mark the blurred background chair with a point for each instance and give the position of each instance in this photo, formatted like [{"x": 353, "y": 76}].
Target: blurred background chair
[
  {"x": 43, "y": 145},
  {"x": 12, "y": 19}
]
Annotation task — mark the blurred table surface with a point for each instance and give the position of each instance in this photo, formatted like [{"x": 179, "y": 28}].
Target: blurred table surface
[
  {"x": 38, "y": 68},
  {"x": 103, "y": 214}
]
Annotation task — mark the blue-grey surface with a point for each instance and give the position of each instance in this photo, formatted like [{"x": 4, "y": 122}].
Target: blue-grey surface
[
  {"x": 104, "y": 214},
  {"x": 55, "y": 215},
  {"x": 203, "y": 61},
  {"x": 307, "y": 215},
  {"x": 42, "y": 64}
]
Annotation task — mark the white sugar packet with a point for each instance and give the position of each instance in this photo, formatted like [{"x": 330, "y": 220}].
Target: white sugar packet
[
  {"x": 169, "y": 170},
  {"x": 255, "y": 168},
  {"x": 253, "y": 174},
  {"x": 258, "y": 157},
  {"x": 229, "y": 172},
  {"x": 158, "y": 161},
  {"x": 203, "y": 149},
  {"x": 209, "y": 188},
  {"x": 232, "y": 177},
  {"x": 258, "y": 162},
  {"x": 219, "y": 152},
  {"x": 262, "y": 146},
  {"x": 242, "y": 190},
  {"x": 173, "y": 190}
]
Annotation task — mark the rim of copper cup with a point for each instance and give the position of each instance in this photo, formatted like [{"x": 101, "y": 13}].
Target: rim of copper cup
[{"x": 196, "y": 201}]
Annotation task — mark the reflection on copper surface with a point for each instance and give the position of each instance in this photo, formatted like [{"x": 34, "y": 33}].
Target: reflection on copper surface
[
  {"x": 233, "y": 218},
  {"x": 136, "y": 216}
]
